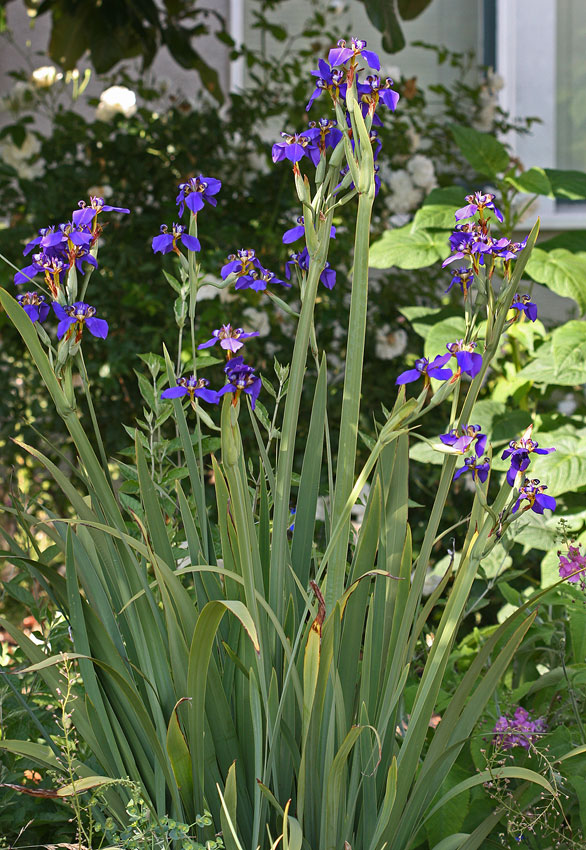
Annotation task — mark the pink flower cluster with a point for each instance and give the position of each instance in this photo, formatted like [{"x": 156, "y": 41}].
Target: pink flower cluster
[
  {"x": 571, "y": 563},
  {"x": 520, "y": 731}
]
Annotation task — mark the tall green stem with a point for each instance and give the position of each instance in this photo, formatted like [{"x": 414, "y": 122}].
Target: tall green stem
[{"x": 351, "y": 400}]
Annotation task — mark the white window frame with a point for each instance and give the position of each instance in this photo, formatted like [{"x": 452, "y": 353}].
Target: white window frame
[{"x": 526, "y": 59}]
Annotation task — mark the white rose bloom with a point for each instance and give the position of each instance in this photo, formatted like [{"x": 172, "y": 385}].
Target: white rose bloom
[
  {"x": 389, "y": 343},
  {"x": 257, "y": 320},
  {"x": 400, "y": 182},
  {"x": 100, "y": 191},
  {"x": 404, "y": 195},
  {"x": 422, "y": 172},
  {"x": 45, "y": 76},
  {"x": 17, "y": 157},
  {"x": 116, "y": 100}
]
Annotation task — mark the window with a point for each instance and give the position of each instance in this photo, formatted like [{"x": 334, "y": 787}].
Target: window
[{"x": 541, "y": 54}]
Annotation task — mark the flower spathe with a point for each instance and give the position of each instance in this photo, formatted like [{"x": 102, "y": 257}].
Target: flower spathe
[
  {"x": 230, "y": 339},
  {"x": 534, "y": 493},
  {"x": 241, "y": 378},
  {"x": 76, "y": 317},
  {"x": 34, "y": 305},
  {"x": 427, "y": 369},
  {"x": 195, "y": 191},
  {"x": 194, "y": 388}
]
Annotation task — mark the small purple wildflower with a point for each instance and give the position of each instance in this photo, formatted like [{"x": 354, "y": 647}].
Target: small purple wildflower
[
  {"x": 524, "y": 304},
  {"x": 194, "y": 388},
  {"x": 241, "y": 378},
  {"x": 34, "y": 305},
  {"x": 533, "y": 492},
  {"x": 461, "y": 439},
  {"x": 478, "y": 470},
  {"x": 571, "y": 563},
  {"x": 518, "y": 731},
  {"x": 477, "y": 203},
  {"x": 195, "y": 191},
  {"x": 510, "y": 250},
  {"x": 230, "y": 339},
  {"x": 87, "y": 216},
  {"x": 427, "y": 369},
  {"x": 468, "y": 361},
  {"x": 519, "y": 451},
  {"x": 166, "y": 242},
  {"x": 77, "y": 316}
]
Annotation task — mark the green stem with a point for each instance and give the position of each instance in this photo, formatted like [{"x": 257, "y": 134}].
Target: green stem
[
  {"x": 351, "y": 399},
  {"x": 86, "y": 388}
]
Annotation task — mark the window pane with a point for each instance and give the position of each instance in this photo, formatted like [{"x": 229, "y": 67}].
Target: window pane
[{"x": 571, "y": 85}]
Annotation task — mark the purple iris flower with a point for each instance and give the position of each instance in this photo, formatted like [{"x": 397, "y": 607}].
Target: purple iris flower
[
  {"x": 34, "y": 305},
  {"x": 339, "y": 55},
  {"x": 329, "y": 79},
  {"x": 518, "y": 731},
  {"x": 426, "y": 369},
  {"x": 298, "y": 231},
  {"x": 374, "y": 89},
  {"x": 468, "y": 362},
  {"x": 44, "y": 233},
  {"x": 85, "y": 215},
  {"x": 79, "y": 315},
  {"x": 230, "y": 339},
  {"x": 519, "y": 451},
  {"x": 195, "y": 191},
  {"x": 478, "y": 470},
  {"x": 242, "y": 264},
  {"x": 478, "y": 202},
  {"x": 54, "y": 267},
  {"x": 533, "y": 492},
  {"x": 167, "y": 242},
  {"x": 510, "y": 250},
  {"x": 301, "y": 260},
  {"x": 295, "y": 148},
  {"x": 241, "y": 378},
  {"x": 464, "y": 277},
  {"x": 461, "y": 440},
  {"x": 325, "y": 132},
  {"x": 194, "y": 388},
  {"x": 524, "y": 304}
]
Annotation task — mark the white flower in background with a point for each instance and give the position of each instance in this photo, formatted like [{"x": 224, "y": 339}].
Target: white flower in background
[
  {"x": 117, "y": 100},
  {"x": 45, "y": 76},
  {"x": 357, "y": 512},
  {"x": 18, "y": 157},
  {"x": 422, "y": 172},
  {"x": 389, "y": 343},
  {"x": 104, "y": 191},
  {"x": 257, "y": 320},
  {"x": 404, "y": 196},
  {"x": 20, "y": 96},
  {"x": 413, "y": 137},
  {"x": 567, "y": 406}
]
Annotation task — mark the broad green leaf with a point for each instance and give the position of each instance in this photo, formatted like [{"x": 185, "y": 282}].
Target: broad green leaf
[
  {"x": 422, "y": 319},
  {"x": 452, "y": 842},
  {"x": 442, "y": 333},
  {"x": 570, "y": 185},
  {"x": 39, "y": 753},
  {"x": 565, "y": 469},
  {"x": 533, "y": 182},
  {"x": 407, "y": 249},
  {"x": 569, "y": 347},
  {"x": 483, "y": 151},
  {"x": 179, "y": 755},
  {"x": 561, "y": 271},
  {"x": 571, "y": 240},
  {"x": 453, "y": 813},
  {"x": 228, "y": 812}
]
